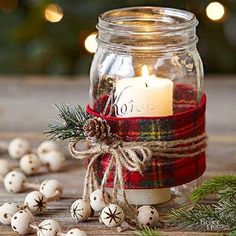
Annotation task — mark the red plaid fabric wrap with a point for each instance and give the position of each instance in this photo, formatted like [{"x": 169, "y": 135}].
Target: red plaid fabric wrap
[{"x": 162, "y": 172}]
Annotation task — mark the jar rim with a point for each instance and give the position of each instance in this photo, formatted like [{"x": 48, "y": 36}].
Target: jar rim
[{"x": 146, "y": 20}]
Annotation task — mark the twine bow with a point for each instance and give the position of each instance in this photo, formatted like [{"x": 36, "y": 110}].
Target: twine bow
[{"x": 134, "y": 156}]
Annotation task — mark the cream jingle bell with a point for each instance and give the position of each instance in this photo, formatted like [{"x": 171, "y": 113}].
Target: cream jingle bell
[
  {"x": 99, "y": 199},
  {"x": 52, "y": 228},
  {"x": 112, "y": 215},
  {"x": 36, "y": 202},
  {"x": 16, "y": 182},
  {"x": 80, "y": 210},
  {"x": 147, "y": 216},
  {"x": 7, "y": 210},
  {"x": 18, "y": 147},
  {"x": 30, "y": 164},
  {"x": 45, "y": 147},
  {"x": 21, "y": 222},
  {"x": 54, "y": 160},
  {"x": 49, "y": 228},
  {"x": 51, "y": 188}
]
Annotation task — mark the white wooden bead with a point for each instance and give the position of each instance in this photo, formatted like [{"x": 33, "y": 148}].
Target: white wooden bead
[
  {"x": 14, "y": 181},
  {"x": 7, "y": 210},
  {"x": 36, "y": 202},
  {"x": 46, "y": 147},
  {"x": 48, "y": 228},
  {"x": 50, "y": 187},
  {"x": 18, "y": 147},
  {"x": 20, "y": 222},
  {"x": 55, "y": 160},
  {"x": 5, "y": 167},
  {"x": 112, "y": 215},
  {"x": 80, "y": 210},
  {"x": 30, "y": 164},
  {"x": 75, "y": 232},
  {"x": 147, "y": 216},
  {"x": 98, "y": 200}
]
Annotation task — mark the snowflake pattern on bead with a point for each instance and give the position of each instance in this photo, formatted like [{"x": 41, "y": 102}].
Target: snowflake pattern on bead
[
  {"x": 40, "y": 204},
  {"x": 113, "y": 215},
  {"x": 48, "y": 228},
  {"x": 75, "y": 212}
]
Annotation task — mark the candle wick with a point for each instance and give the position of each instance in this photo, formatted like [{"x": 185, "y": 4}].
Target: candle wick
[{"x": 146, "y": 85}]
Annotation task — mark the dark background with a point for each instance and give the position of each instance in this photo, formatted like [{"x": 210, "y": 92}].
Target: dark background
[{"x": 30, "y": 44}]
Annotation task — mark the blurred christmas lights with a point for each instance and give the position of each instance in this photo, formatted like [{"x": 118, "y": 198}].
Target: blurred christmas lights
[
  {"x": 53, "y": 13},
  {"x": 8, "y": 5},
  {"x": 215, "y": 11},
  {"x": 90, "y": 43}
]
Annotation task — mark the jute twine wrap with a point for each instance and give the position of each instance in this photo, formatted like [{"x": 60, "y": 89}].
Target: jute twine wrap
[{"x": 134, "y": 156}]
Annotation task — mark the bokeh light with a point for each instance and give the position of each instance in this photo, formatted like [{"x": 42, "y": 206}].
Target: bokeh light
[
  {"x": 8, "y": 5},
  {"x": 90, "y": 43},
  {"x": 53, "y": 13},
  {"x": 215, "y": 11}
]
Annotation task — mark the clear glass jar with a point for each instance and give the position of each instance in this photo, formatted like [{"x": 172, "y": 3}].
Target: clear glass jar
[{"x": 146, "y": 64}]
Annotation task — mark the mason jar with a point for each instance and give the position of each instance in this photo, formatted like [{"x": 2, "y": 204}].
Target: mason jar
[
  {"x": 146, "y": 65},
  {"x": 138, "y": 40}
]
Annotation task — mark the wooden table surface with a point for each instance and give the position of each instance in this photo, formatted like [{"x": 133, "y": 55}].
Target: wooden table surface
[{"x": 26, "y": 109}]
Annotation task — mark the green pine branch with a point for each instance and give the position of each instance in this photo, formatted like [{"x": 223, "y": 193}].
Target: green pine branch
[
  {"x": 71, "y": 127},
  {"x": 226, "y": 208},
  {"x": 228, "y": 192},
  {"x": 213, "y": 185},
  {"x": 147, "y": 231},
  {"x": 217, "y": 217},
  {"x": 199, "y": 217}
]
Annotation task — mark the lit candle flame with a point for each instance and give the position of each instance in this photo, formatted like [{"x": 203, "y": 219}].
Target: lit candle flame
[{"x": 145, "y": 72}]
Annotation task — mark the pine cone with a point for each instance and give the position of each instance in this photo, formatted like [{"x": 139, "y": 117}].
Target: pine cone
[{"x": 96, "y": 129}]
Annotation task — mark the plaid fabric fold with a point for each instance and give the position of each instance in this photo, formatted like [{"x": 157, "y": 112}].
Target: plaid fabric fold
[{"x": 162, "y": 172}]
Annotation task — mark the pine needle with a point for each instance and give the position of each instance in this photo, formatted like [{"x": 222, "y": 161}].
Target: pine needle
[
  {"x": 147, "y": 231},
  {"x": 215, "y": 217},
  {"x": 229, "y": 192},
  {"x": 199, "y": 217},
  {"x": 71, "y": 127},
  {"x": 213, "y": 185},
  {"x": 226, "y": 208}
]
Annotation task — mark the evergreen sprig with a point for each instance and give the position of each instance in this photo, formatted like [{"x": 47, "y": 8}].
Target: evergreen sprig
[
  {"x": 213, "y": 185},
  {"x": 226, "y": 208},
  {"x": 200, "y": 217},
  {"x": 72, "y": 125},
  {"x": 228, "y": 192},
  {"x": 215, "y": 217},
  {"x": 147, "y": 231}
]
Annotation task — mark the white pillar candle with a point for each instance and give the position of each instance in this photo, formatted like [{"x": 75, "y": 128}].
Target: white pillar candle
[{"x": 145, "y": 96}]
